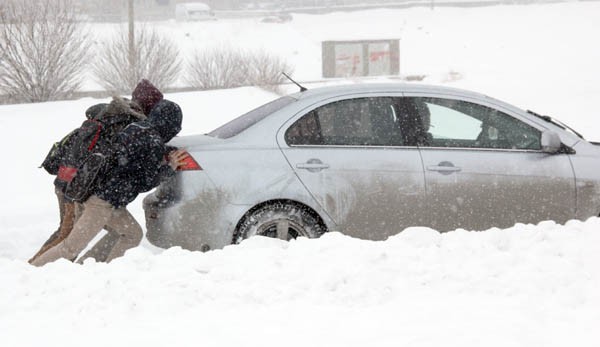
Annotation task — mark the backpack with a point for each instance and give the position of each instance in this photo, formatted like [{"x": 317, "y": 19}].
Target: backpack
[
  {"x": 54, "y": 157},
  {"x": 81, "y": 186},
  {"x": 88, "y": 150}
]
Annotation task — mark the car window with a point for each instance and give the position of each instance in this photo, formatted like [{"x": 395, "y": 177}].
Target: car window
[
  {"x": 352, "y": 122},
  {"x": 446, "y": 123},
  {"x": 247, "y": 120},
  {"x": 458, "y": 123}
]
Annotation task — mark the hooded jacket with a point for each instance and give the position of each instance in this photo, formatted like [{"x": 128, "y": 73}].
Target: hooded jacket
[
  {"x": 138, "y": 162},
  {"x": 113, "y": 116},
  {"x": 117, "y": 114}
]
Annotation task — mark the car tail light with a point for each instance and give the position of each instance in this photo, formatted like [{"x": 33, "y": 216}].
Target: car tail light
[{"x": 189, "y": 164}]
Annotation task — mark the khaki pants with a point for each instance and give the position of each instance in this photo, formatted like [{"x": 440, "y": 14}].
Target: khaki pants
[
  {"x": 97, "y": 215},
  {"x": 68, "y": 216}
]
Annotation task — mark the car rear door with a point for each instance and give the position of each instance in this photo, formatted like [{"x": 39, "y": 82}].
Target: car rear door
[
  {"x": 351, "y": 156},
  {"x": 484, "y": 167}
]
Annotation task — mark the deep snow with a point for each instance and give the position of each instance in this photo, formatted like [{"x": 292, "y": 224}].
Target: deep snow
[{"x": 524, "y": 286}]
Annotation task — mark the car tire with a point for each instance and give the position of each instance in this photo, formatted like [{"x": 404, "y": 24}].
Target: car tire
[{"x": 280, "y": 220}]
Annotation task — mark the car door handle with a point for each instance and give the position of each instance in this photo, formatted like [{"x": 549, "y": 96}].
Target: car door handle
[
  {"x": 444, "y": 168},
  {"x": 313, "y": 165}
]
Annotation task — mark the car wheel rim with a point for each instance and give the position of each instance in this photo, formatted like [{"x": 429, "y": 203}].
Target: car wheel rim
[{"x": 283, "y": 229}]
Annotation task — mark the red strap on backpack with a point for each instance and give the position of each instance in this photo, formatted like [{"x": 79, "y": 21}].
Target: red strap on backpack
[{"x": 96, "y": 137}]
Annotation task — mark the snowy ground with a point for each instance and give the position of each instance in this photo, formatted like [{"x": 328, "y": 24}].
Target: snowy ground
[{"x": 524, "y": 286}]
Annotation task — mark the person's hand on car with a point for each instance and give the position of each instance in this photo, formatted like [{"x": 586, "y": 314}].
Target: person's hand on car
[{"x": 177, "y": 158}]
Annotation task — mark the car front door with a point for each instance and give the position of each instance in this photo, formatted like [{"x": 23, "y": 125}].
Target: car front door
[
  {"x": 352, "y": 157},
  {"x": 485, "y": 168}
]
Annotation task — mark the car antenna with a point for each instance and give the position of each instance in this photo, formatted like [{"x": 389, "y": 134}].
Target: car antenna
[{"x": 302, "y": 89}]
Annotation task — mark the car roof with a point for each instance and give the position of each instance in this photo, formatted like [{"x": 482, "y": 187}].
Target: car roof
[{"x": 383, "y": 87}]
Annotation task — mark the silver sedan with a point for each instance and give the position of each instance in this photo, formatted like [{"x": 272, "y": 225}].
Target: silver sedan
[{"x": 370, "y": 160}]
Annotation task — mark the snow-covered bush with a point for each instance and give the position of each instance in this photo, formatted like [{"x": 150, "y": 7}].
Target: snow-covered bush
[
  {"x": 43, "y": 50},
  {"x": 154, "y": 57},
  {"x": 266, "y": 70},
  {"x": 226, "y": 67}
]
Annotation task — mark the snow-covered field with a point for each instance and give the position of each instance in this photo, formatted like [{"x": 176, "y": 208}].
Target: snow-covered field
[{"x": 524, "y": 286}]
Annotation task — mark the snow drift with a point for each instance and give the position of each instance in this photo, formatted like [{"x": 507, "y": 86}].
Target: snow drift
[{"x": 527, "y": 285}]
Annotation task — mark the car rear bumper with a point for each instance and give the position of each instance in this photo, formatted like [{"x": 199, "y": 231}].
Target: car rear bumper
[{"x": 199, "y": 224}]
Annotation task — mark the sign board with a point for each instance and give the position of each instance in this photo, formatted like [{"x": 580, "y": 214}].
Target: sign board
[{"x": 361, "y": 58}]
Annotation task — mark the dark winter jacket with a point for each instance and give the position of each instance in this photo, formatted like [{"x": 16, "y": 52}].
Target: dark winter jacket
[
  {"x": 60, "y": 150},
  {"x": 139, "y": 163},
  {"x": 112, "y": 118},
  {"x": 55, "y": 157}
]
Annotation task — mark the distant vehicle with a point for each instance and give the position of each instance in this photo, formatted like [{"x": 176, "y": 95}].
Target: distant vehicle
[
  {"x": 265, "y": 5},
  {"x": 370, "y": 160},
  {"x": 277, "y": 18},
  {"x": 194, "y": 11}
]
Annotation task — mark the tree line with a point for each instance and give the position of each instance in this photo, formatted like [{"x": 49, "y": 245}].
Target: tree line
[{"x": 46, "y": 53}]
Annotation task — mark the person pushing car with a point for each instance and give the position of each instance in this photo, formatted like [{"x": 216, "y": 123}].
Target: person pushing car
[{"x": 139, "y": 161}]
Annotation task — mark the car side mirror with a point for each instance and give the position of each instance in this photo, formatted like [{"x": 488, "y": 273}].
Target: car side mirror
[{"x": 550, "y": 142}]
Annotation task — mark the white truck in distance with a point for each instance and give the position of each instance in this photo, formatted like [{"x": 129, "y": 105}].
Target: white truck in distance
[{"x": 193, "y": 11}]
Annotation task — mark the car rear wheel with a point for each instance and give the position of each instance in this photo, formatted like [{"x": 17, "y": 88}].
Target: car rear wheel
[{"x": 280, "y": 220}]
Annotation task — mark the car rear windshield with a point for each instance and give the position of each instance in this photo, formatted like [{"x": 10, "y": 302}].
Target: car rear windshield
[{"x": 247, "y": 120}]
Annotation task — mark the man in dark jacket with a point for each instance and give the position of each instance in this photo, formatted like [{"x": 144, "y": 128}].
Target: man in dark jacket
[
  {"x": 113, "y": 117},
  {"x": 150, "y": 100},
  {"x": 137, "y": 164}
]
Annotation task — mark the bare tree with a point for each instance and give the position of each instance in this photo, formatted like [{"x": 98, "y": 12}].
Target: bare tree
[
  {"x": 226, "y": 67},
  {"x": 155, "y": 57},
  {"x": 266, "y": 70},
  {"x": 219, "y": 67},
  {"x": 43, "y": 50}
]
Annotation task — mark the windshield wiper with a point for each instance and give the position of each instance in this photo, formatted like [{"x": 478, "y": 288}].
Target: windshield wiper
[{"x": 556, "y": 122}]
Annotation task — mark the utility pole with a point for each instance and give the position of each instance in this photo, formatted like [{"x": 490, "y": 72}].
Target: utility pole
[{"x": 132, "y": 61}]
